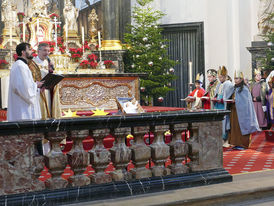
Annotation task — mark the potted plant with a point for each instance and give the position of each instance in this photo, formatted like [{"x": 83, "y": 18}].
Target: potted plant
[
  {"x": 3, "y": 64},
  {"x": 20, "y": 16},
  {"x": 108, "y": 63},
  {"x": 84, "y": 64},
  {"x": 93, "y": 64}
]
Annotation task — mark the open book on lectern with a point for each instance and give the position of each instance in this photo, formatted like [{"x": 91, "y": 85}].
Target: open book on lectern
[{"x": 50, "y": 80}]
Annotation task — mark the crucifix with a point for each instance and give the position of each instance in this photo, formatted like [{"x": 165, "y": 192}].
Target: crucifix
[{"x": 56, "y": 23}]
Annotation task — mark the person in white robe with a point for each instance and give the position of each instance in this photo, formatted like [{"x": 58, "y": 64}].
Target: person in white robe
[{"x": 24, "y": 93}]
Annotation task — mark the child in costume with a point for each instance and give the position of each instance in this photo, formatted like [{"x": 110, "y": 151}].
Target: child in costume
[
  {"x": 194, "y": 98},
  {"x": 210, "y": 91}
]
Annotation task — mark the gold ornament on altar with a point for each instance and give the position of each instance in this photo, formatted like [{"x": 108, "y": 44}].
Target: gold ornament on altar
[
  {"x": 93, "y": 31},
  {"x": 69, "y": 113},
  {"x": 99, "y": 112}
]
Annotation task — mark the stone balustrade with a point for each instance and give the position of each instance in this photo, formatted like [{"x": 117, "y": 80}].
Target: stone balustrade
[{"x": 197, "y": 160}]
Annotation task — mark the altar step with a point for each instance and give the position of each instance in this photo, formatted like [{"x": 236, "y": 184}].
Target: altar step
[{"x": 246, "y": 189}]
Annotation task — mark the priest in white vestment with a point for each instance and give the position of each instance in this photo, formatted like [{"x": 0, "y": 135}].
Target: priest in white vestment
[{"x": 24, "y": 93}]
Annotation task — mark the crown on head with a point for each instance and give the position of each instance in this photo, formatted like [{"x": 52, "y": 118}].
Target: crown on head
[
  {"x": 238, "y": 74},
  {"x": 212, "y": 72},
  {"x": 257, "y": 71},
  {"x": 222, "y": 71}
]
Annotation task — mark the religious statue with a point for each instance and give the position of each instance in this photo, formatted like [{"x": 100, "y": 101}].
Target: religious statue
[
  {"x": 266, "y": 9},
  {"x": 92, "y": 30},
  {"x": 39, "y": 8},
  {"x": 9, "y": 14},
  {"x": 70, "y": 14}
]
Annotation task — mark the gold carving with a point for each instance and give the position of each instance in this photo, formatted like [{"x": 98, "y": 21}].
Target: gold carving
[{"x": 87, "y": 94}]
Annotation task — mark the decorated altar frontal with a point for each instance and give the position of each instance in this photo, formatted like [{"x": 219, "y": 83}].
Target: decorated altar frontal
[{"x": 86, "y": 92}]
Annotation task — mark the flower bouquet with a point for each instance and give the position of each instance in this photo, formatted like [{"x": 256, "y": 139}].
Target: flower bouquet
[
  {"x": 54, "y": 15},
  {"x": 108, "y": 63},
  {"x": 84, "y": 64},
  {"x": 3, "y": 64}
]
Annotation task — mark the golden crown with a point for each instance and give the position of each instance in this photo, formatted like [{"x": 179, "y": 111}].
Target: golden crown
[
  {"x": 238, "y": 74},
  {"x": 257, "y": 71},
  {"x": 222, "y": 71}
]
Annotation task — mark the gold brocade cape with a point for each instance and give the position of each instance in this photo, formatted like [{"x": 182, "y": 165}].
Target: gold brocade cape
[
  {"x": 211, "y": 90},
  {"x": 55, "y": 111},
  {"x": 36, "y": 74}
]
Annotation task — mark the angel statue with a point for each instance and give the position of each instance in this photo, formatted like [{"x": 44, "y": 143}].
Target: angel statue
[
  {"x": 8, "y": 13},
  {"x": 265, "y": 15},
  {"x": 70, "y": 14}
]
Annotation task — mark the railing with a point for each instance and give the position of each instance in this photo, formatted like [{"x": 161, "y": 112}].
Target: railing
[{"x": 21, "y": 164}]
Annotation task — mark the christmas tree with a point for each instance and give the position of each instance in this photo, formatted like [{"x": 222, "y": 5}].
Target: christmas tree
[
  {"x": 269, "y": 38},
  {"x": 147, "y": 52}
]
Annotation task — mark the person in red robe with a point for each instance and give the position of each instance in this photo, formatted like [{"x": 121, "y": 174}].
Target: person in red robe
[{"x": 194, "y": 98}]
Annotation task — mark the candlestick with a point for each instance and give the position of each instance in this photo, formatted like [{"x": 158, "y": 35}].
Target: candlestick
[
  {"x": 190, "y": 72},
  {"x": 37, "y": 32},
  {"x": 83, "y": 36},
  {"x": 99, "y": 39},
  {"x": 24, "y": 32},
  {"x": 10, "y": 36}
]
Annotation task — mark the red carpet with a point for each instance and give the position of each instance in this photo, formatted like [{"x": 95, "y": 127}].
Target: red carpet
[{"x": 259, "y": 156}]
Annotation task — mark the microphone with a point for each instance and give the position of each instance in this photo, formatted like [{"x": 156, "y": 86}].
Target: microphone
[
  {"x": 76, "y": 69},
  {"x": 51, "y": 65}
]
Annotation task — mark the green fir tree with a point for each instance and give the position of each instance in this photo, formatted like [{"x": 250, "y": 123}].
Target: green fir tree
[
  {"x": 147, "y": 52},
  {"x": 269, "y": 38}
]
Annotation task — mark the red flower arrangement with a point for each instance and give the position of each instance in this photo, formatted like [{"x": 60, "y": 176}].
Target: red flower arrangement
[
  {"x": 76, "y": 54},
  {"x": 54, "y": 15},
  {"x": 108, "y": 63},
  {"x": 3, "y": 63},
  {"x": 92, "y": 57},
  {"x": 93, "y": 64},
  {"x": 84, "y": 64}
]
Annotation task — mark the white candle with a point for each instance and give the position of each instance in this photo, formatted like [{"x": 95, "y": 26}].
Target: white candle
[
  {"x": 24, "y": 32},
  {"x": 37, "y": 33},
  {"x": 83, "y": 35},
  {"x": 66, "y": 30},
  {"x": 190, "y": 72},
  {"x": 99, "y": 39},
  {"x": 10, "y": 36}
]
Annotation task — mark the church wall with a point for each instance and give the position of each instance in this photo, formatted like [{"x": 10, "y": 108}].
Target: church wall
[{"x": 229, "y": 27}]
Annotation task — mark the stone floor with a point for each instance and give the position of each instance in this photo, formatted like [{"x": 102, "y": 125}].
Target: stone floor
[{"x": 247, "y": 186}]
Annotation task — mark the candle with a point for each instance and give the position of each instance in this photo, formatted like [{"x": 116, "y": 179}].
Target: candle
[
  {"x": 66, "y": 30},
  {"x": 37, "y": 32},
  {"x": 10, "y": 36},
  {"x": 190, "y": 72},
  {"x": 83, "y": 35},
  {"x": 99, "y": 39},
  {"x": 24, "y": 32}
]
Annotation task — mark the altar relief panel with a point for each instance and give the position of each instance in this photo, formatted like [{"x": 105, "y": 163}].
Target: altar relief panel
[{"x": 100, "y": 92}]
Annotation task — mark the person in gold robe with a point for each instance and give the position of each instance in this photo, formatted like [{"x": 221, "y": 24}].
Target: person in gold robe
[{"x": 37, "y": 75}]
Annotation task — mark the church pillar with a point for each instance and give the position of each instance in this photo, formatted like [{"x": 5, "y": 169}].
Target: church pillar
[{"x": 114, "y": 22}]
